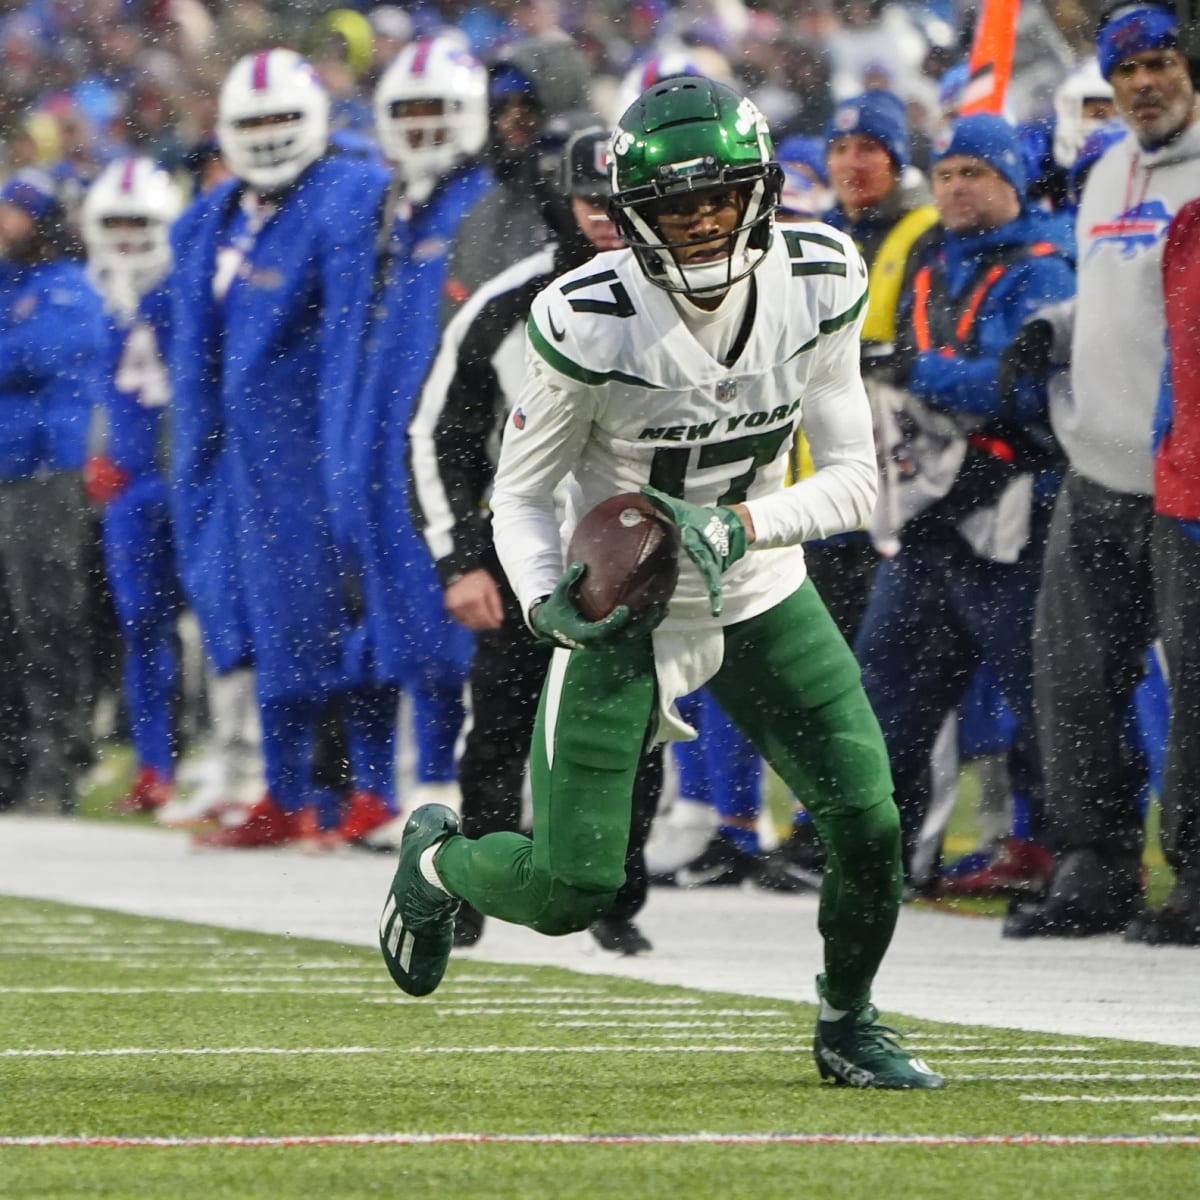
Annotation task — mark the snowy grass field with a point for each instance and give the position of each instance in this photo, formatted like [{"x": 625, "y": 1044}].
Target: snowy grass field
[{"x": 151, "y": 1058}]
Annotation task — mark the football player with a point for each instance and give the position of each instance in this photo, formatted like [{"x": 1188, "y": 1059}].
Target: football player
[
  {"x": 269, "y": 301},
  {"x": 431, "y": 117},
  {"x": 126, "y": 222},
  {"x": 684, "y": 366},
  {"x": 473, "y": 383}
]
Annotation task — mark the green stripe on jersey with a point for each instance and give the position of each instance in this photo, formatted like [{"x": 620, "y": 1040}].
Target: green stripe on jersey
[
  {"x": 832, "y": 325},
  {"x": 565, "y": 366},
  {"x": 818, "y": 268},
  {"x": 819, "y": 239}
]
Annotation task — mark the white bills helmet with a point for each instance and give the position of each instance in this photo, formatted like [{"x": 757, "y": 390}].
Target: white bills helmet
[
  {"x": 272, "y": 118},
  {"x": 126, "y": 223},
  {"x": 1071, "y": 127},
  {"x": 431, "y": 111}
]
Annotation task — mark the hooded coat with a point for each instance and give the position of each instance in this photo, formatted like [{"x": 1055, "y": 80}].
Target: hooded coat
[{"x": 507, "y": 225}]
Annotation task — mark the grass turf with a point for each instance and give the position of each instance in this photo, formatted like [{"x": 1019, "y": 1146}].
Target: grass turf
[{"x": 116, "y": 1029}]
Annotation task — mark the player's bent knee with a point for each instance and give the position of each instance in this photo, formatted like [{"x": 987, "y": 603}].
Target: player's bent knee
[{"x": 571, "y": 909}]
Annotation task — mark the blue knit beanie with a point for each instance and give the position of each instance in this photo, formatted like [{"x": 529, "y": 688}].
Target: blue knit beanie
[
  {"x": 879, "y": 115},
  {"x": 1133, "y": 29},
  {"x": 990, "y": 138}
]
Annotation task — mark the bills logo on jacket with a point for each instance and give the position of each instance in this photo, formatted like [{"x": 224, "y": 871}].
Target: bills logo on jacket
[{"x": 1136, "y": 229}]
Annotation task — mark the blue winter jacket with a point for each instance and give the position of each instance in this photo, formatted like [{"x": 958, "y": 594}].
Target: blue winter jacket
[
  {"x": 52, "y": 346},
  {"x": 262, "y": 382},
  {"x": 967, "y": 383}
]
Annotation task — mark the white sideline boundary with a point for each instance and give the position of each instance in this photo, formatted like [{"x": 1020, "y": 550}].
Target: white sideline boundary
[{"x": 743, "y": 941}]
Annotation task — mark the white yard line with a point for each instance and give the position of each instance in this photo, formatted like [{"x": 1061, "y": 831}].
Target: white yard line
[
  {"x": 1190, "y": 1099},
  {"x": 1080, "y": 1076}
]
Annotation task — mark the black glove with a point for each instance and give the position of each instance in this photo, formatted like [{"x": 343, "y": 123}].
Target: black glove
[{"x": 1028, "y": 354}]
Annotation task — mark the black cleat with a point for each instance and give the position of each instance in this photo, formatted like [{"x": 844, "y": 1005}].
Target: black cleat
[
  {"x": 1089, "y": 894},
  {"x": 1165, "y": 926},
  {"x": 468, "y": 926},
  {"x": 621, "y": 937},
  {"x": 719, "y": 864}
]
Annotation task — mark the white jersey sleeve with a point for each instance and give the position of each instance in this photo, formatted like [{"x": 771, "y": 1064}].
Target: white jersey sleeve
[
  {"x": 840, "y": 494},
  {"x": 543, "y": 439}
]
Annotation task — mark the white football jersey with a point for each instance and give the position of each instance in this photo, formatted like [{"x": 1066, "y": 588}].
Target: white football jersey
[{"x": 619, "y": 393}]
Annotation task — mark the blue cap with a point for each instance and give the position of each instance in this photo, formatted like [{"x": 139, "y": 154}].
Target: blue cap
[
  {"x": 1133, "y": 29},
  {"x": 31, "y": 190},
  {"x": 800, "y": 148},
  {"x": 879, "y": 115},
  {"x": 506, "y": 79},
  {"x": 991, "y": 139}
]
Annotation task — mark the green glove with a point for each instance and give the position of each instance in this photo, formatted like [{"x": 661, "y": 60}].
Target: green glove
[
  {"x": 557, "y": 622},
  {"x": 714, "y": 538}
]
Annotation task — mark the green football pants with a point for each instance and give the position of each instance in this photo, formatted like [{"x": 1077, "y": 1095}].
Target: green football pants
[{"x": 791, "y": 683}]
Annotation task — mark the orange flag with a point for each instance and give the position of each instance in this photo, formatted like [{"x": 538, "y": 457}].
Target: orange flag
[{"x": 991, "y": 58}]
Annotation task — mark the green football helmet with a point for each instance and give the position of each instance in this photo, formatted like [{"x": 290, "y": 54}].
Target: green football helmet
[{"x": 690, "y": 134}]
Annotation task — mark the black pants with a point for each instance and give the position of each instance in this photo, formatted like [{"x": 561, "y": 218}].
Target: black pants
[
  {"x": 506, "y": 682},
  {"x": 1176, "y": 559},
  {"x": 1095, "y": 618},
  {"x": 43, "y": 532},
  {"x": 14, "y": 720}
]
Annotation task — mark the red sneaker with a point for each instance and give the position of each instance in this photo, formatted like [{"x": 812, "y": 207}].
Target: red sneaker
[
  {"x": 266, "y": 825},
  {"x": 150, "y": 790},
  {"x": 367, "y": 812},
  {"x": 1021, "y": 868},
  {"x": 314, "y": 839}
]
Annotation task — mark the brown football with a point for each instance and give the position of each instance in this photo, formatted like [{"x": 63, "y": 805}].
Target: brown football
[{"x": 631, "y": 552}]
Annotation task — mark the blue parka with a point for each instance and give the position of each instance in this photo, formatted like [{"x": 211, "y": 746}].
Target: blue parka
[
  {"x": 407, "y": 625},
  {"x": 262, "y": 381}
]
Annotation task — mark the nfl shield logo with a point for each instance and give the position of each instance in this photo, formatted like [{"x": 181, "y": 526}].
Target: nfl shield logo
[{"x": 726, "y": 390}]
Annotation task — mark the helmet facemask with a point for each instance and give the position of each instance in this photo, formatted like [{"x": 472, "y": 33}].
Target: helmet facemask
[
  {"x": 747, "y": 240},
  {"x": 687, "y": 138}
]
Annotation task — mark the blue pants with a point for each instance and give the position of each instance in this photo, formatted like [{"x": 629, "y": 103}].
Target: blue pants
[
  {"x": 437, "y": 719},
  {"x": 720, "y": 767},
  {"x": 936, "y": 615},
  {"x": 289, "y": 741},
  {"x": 140, "y": 558}
]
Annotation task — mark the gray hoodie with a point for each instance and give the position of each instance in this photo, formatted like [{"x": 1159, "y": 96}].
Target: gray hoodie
[{"x": 1117, "y": 349}]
